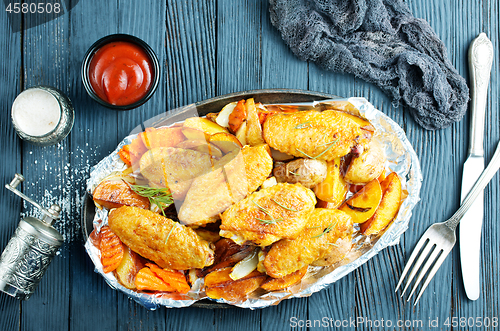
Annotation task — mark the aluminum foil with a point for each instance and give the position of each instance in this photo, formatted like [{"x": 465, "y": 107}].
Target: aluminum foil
[{"x": 401, "y": 159}]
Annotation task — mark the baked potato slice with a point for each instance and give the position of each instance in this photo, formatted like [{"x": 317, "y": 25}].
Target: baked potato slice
[
  {"x": 116, "y": 193},
  {"x": 367, "y": 166},
  {"x": 334, "y": 188},
  {"x": 389, "y": 206},
  {"x": 276, "y": 284},
  {"x": 304, "y": 171},
  {"x": 254, "y": 129},
  {"x": 364, "y": 203},
  {"x": 218, "y": 284},
  {"x": 162, "y": 137}
]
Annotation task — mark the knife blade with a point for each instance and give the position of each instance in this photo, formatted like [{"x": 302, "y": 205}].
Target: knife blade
[{"x": 480, "y": 60}]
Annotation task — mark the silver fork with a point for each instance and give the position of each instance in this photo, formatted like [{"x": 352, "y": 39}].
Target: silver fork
[{"x": 437, "y": 242}]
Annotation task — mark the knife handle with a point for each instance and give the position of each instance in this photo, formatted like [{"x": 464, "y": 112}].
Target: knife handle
[{"x": 480, "y": 60}]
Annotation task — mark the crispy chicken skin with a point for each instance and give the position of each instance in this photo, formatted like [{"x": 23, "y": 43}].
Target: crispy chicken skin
[
  {"x": 322, "y": 135},
  {"x": 266, "y": 216},
  {"x": 324, "y": 227},
  {"x": 230, "y": 182},
  {"x": 258, "y": 165},
  {"x": 167, "y": 243},
  {"x": 174, "y": 168}
]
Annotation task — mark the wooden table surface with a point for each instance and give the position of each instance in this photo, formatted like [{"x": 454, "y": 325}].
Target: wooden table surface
[{"x": 208, "y": 48}]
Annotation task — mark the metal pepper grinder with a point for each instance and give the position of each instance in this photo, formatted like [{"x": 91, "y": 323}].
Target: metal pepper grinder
[{"x": 31, "y": 249}]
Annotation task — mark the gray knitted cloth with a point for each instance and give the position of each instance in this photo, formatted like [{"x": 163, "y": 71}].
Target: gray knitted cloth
[{"x": 381, "y": 42}]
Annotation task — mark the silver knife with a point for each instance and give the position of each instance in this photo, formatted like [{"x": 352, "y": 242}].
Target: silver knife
[{"x": 480, "y": 60}]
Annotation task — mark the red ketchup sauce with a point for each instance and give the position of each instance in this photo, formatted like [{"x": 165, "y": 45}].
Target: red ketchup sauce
[{"x": 120, "y": 73}]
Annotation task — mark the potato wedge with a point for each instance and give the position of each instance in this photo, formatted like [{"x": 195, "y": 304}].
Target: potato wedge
[
  {"x": 276, "y": 284},
  {"x": 388, "y": 208},
  {"x": 368, "y": 166},
  {"x": 254, "y": 129},
  {"x": 305, "y": 171},
  {"x": 241, "y": 134},
  {"x": 219, "y": 285},
  {"x": 203, "y": 124},
  {"x": 128, "y": 268},
  {"x": 162, "y": 137},
  {"x": 201, "y": 146},
  {"x": 223, "y": 116},
  {"x": 194, "y": 134},
  {"x": 334, "y": 188},
  {"x": 226, "y": 142},
  {"x": 116, "y": 193},
  {"x": 238, "y": 116},
  {"x": 362, "y": 205}
]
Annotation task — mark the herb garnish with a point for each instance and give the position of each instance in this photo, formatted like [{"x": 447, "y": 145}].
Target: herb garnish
[
  {"x": 271, "y": 221},
  {"x": 328, "y": 229},
  {"x": 331, "y": 144},
  {"x": 171, "y": 230},
  {"x": 159, "y": 196},
  {"x": 284, "y": 207},
  {"x": 303, "y": 125}
]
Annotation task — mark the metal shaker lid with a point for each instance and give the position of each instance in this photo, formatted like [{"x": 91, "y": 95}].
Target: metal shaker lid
[{"x": 41, "y": 230}]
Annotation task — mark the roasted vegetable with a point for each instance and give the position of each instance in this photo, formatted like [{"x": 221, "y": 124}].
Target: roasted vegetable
[
  {"x": 115, "y": 193},
  {"x": 162, "y": 137},
  {"x": 334, "y": 188},
  {"x": 276, "y": 284},
  {"x": 362, "y": 205},
  {"x": 111, "y": 249},
  {"x": 128, "y": 268},
  {"x": 367, "y": 166},
  {"x": 304, "y": 171},
  {"x": 218, "y": 284},
  {"x": 388, "y": 208}
]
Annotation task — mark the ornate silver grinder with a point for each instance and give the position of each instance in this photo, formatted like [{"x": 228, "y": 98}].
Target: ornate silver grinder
[{"x": 31, "y": 249}]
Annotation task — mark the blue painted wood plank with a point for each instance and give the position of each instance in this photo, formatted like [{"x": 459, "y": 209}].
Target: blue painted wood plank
[
  {"x": 131, "y": 18},
  {"x": 47, "y": 173},
  {"x": 191, "y": 52},
  {"x": 10, "y": 204},
  {"x": 239, "y": 58},
  {"x": 93, "y": 137}
]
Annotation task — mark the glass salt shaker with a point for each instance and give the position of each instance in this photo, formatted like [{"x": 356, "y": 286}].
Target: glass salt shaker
[
  {"x": 42, "y": 115},
  {"x": 30, "y": 250}
]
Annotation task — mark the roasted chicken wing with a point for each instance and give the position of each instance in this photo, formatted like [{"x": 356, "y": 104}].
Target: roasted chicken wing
[
  {"x": 174, "y": 168},
  {"x": 167, "y": 243},
  {"x": 320, "y": 135},
  {"x": 324, "y": 228},
  {"x": 266, "y": 216},
  {"x": 233, "y": 178}
]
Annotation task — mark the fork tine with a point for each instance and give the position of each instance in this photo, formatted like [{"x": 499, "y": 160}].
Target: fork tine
[
  {"x": 414, "y": 254},
  {"x": 423, "y": 271},
  {"x": 420, "y": 261},
  {"x": 433, "y": 271}
]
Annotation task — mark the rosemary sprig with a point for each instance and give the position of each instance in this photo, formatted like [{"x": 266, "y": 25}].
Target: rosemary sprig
[
  {"x": 284, "y": 207},
  {"x": 331, "y": 144},
  {"x": 274, "y": 220},
  {"x": 303, "y": 125},
  {"x": 271, "y": 221},
  {"x": 171, "y": 230},
  {"x": 305, "y": 154},
  {"x": 159, "y": 196},
  {"x": 328, "y": 229}
]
